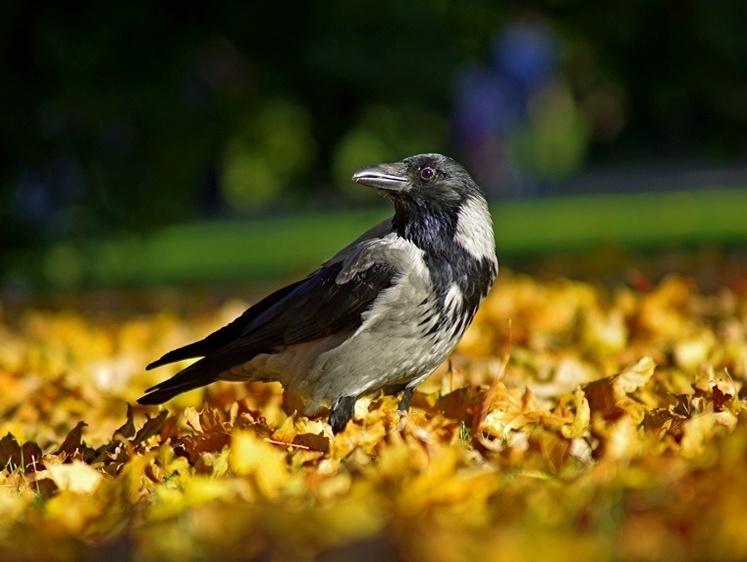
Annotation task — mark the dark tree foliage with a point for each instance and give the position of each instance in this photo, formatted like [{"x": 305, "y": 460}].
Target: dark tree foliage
[{"x": 117, "y": 114}]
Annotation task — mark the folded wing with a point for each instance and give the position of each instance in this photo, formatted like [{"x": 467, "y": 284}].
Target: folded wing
[{"x": 310, "y": 309}]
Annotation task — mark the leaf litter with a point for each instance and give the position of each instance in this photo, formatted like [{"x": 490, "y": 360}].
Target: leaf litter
[{"x": 573, "y": 422}]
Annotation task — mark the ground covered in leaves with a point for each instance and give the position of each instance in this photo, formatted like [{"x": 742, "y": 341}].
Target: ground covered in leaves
[{"x": 574, "y": 422}]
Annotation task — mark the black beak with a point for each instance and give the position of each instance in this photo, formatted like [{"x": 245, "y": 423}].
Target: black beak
[{"x": 382, "y": 176}]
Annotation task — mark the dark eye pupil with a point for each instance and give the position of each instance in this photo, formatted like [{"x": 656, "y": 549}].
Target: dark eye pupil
[{"x": 426, "y": 173}]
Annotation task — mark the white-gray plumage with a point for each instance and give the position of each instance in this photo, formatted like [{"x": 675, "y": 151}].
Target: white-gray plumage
[
  {"x": 382, "y": 314},
  {"x": 473, "y": 232}
]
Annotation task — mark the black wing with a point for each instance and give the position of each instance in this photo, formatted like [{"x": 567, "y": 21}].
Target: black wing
[
  {"x": 305, "y": 311},
  {"x": 227, "y": 333}
]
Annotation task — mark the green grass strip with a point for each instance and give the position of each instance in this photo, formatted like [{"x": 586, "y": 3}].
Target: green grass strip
[{"x": 272, "y": 247}]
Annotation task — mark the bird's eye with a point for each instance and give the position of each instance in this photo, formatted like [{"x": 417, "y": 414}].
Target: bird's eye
[{"x": 426, "y": 174}]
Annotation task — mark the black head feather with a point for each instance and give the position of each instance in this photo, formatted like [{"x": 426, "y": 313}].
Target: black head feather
[{"x": 427, "y": 190}]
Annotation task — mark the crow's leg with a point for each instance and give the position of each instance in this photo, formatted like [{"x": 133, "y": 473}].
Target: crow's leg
[
  {"x": 404, "y": 403},
  {"x": 342, "y": 411}
]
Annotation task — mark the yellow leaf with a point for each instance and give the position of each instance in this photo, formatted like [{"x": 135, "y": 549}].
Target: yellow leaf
[
  {"x": 264, "y": 463},
  {"x": 633, "y": 377},
  {"x": 76, "y": 477},
  {"x": 192, "y": 418},
  {"x": 582, "y": 418},
  {"x": 623, "y": 440}
]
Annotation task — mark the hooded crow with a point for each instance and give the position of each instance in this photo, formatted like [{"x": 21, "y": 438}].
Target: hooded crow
[{"x": 382, "y": 314}]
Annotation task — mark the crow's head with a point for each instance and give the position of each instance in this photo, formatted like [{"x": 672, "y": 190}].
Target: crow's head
[
  {"x": 437, "y": 205},
  {"x": 422, "y": 184}
]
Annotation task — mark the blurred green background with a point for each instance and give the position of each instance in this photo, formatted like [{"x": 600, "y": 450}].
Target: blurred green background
[{"x": 148, "y": 143}]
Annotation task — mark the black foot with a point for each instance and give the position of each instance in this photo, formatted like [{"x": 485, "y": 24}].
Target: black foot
[
  {"x": 342, "y": 412},
  {"x": 404, "y": 403}
]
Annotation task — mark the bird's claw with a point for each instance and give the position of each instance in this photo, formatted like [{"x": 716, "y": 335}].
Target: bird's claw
[{"x": 403, "y": 420}]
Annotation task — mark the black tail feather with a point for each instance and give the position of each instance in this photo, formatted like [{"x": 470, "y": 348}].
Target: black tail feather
[
  {"x": 196, "y": 375},
  {"x": 164, "y": 392},
  {"x": 187, "y": 352},
  {"x": 226, "y": 335}
]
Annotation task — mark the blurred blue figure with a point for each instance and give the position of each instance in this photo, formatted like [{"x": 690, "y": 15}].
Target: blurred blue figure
[
  {"x": 492, "y": 106},
  {"x": 481, "y": 119},
  {"x": 526, "y": 56}
]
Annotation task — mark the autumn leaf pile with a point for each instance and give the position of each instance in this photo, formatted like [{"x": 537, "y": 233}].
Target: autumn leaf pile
[{"x": 573, "y": 423}]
